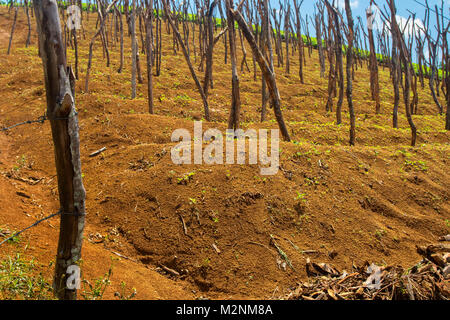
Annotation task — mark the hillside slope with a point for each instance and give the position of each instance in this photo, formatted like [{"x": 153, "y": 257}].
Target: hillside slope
[{"x": 329, "y": 202}]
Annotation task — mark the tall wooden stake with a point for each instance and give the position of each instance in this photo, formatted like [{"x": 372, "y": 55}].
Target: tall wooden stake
[
  {"x": 59, "y": 84},
  {"x": 267, "y": 72}
]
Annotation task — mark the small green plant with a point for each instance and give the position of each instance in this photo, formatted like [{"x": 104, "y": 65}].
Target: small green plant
[
  {"x": 19, "y": 281},
  {"x": 97, "y": 290},
  {"x": 415, "y": 165},
  {"x": 162, "y": 98},
  {"x": 312, "y": 181},
  {"x": 186, "y": 178},
  {"x": 176, "y": 84},
  {"x": 403, "y": 152},
  {"x": 14, "y": 239},
  {"x": 21, "y": 163},
  {"x": 183, "y": 99},
  {"x": 380, "y": 233},
  {"x": 7, "y": 233},
  {"x": 260, "y": 179},
  {"x": 301, "y": 197},
  {"x": 206, "y": 262},
  {"x": 122, "y": 295},
  {"x": 299, "y": 155},
  {"x": 215, "y": 216}
]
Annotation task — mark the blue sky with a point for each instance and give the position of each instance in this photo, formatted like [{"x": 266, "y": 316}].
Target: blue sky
[
  {"x": 359, "y": 7},
  {"x": 404, "y": 9}
]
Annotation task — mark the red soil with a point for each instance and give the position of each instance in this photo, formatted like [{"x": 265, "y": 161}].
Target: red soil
[{"x": 373, "y": 202}]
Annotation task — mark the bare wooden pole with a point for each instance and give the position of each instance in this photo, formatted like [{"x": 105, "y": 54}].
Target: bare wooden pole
[
  {"x": 12, "y": 30},
  {"x": 148, "y": 44},
  {"x": 339, "y": 61},
  {"x": 350, "y": 40},
  {"x": 233, "y": 120},
  {"x": 119, "y": 17},
  {"x": 447, "y": 81},
  {"x": 300, "y": 38},
  {"x": 209, "y": 51},
  {"x": 287, "y": 35},
  {"x": 318, "y": 25},
  {"x": 27, "y": 42},
  {"x": 99, "y": 31},
  {"x": 267, "y": 73},
  {"x": 266, "y": 48},
  {"x": 373, "y": 63},
  {"x": 405, "y": 58},
  {"x": 59, "y": 84},
  {"x": 396, "y": 73},
  {"x": 134, "y": 51},
  {"x": 331, "y": 60},
  {"x": 188, "y": 60}
]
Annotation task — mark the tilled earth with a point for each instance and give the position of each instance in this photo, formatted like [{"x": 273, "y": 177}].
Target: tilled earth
[{"x": 183, "y": 232}]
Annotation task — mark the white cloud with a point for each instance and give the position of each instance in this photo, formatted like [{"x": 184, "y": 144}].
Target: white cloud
[
  {"x": 407, "y": 25},
  {"x": 353, "y": 4},
  {"x": 410, "y": 26}
]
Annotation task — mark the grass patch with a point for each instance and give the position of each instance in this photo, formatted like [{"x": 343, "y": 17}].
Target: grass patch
[{"x": 18, "y": 280}]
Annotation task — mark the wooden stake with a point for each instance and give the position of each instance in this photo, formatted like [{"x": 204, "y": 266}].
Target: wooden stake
[{"x": 59, "y": 83}]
